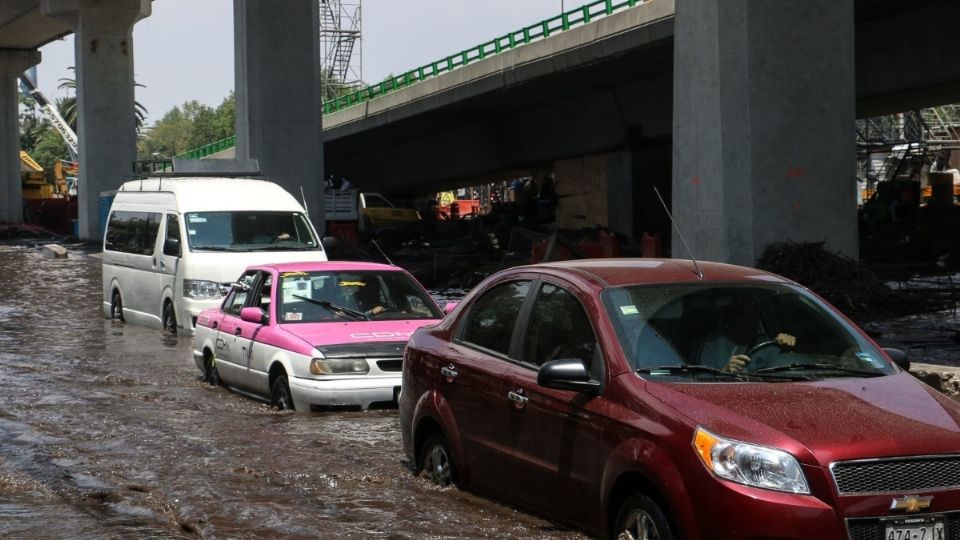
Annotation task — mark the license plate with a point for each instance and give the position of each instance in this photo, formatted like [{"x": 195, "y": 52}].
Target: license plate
[{"x": 920, "y": 529}]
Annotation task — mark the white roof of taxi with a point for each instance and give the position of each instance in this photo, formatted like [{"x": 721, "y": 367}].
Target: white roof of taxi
[{"x": 204, "y": 194}]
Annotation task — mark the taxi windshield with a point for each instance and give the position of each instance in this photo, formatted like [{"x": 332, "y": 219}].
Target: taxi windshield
[
  {"x": 737, "y": 332},
  {"x": 338, "y": 296}
]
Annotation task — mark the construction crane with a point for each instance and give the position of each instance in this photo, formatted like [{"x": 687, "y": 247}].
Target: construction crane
[{"x": 61, "y": 125}]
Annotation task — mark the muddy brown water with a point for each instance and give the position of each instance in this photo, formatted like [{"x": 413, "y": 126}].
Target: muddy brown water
[{"x": 106, "y": 431}]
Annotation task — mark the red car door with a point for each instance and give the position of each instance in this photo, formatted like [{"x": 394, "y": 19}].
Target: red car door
[
  {"x": 472, "y": 381},
  {"x": 558, "y": 449}
]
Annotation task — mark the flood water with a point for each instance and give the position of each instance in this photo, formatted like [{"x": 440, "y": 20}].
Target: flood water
[{"x": 107, "y": 431}]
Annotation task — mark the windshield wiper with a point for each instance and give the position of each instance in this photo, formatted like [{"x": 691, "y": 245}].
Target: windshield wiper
[
  {"x": 692, "y": 369},
  {"x": 821, "y": 367},
  {"x": 350, "y": 313},
  {"x": 214, "y": 248},
  {"x": 739, "y": 375},
  {"x": 284, "y": 248}
]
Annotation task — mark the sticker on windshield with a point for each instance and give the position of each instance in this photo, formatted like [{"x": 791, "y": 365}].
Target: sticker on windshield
[
  {"x": 629, "y": 310},
  {"x": 293, "y": 274},
  {"x": 352, "y": 284},
  {"x": 197, "y": 219},
  {"x": 191, "y": 231},
  {"x": 293, "y": 316}
]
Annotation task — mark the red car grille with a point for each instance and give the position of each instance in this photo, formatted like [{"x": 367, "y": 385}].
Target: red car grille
[{"x": 896, "y": 475}]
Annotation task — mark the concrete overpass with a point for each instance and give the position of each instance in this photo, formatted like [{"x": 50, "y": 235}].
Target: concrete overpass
[
  {"x": 270, "y": 115},
  {"x": 743, "y": 110}
]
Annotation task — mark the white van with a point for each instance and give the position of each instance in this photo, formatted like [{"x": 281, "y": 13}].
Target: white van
[{"x": 173, "y": 246}]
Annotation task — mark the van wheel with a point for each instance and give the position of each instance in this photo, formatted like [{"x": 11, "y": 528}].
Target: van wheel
[
  {"x": 169, "y": 318},
  {"x": 116, "y": 307},
  {"x": 280, "y": 394},
  {"x": 641, "y": 518},
  {"x": 436, "y": 461}
]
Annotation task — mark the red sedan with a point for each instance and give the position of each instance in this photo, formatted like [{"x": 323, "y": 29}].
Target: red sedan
[{"x": 643, "y": 399}]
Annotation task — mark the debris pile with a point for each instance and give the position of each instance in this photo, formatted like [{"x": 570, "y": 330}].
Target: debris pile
[{"x": 844, "y": 282}]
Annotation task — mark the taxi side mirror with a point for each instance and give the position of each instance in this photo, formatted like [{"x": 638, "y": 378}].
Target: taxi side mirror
[
  {"x": 449, "y": 307},
  {"x": 253, "y": 315}
]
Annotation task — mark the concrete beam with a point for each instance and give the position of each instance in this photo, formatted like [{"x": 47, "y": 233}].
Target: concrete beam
[
  {"x": 12, "y": 64},
  {"x": 908, "y": 61},
  {"x": 106, "y": 126},
  {"x": 764, "y": 102},
  {"x": 278, "y": 94}
]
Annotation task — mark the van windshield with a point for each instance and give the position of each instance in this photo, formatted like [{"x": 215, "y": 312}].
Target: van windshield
[{"x": 249, "y": 231}]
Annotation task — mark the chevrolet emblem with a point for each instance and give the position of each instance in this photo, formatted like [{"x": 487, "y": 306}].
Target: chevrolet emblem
[{"x": 911, "y": 503}]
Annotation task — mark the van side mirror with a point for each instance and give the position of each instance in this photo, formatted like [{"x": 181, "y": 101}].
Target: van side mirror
[
  {"x": 329, "y": 242},
  {"x": 899, "y": 358},
  {"x": 449, "y": 307},
  {"x": 567, "y": 374},
  {"x": 171, "y": 247},
  {"x": 253, "y": 315}
]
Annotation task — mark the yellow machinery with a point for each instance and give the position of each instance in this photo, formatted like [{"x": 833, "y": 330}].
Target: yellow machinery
[{"x": 35, "y": 185}]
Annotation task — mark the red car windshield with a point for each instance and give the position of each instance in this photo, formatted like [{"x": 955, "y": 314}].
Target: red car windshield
[
  {"x": 344, "y": 295},
  {"x": 687, "y": 330}
]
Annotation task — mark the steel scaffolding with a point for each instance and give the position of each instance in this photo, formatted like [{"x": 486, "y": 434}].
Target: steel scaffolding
[{"x": 340, "y": 46}]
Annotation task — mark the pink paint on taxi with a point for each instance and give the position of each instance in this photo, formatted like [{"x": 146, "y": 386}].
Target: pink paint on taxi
[{"x": 314, "y": 336}]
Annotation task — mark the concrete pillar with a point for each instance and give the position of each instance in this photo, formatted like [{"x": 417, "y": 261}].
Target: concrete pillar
[
  {"x": 278, "y": 94},
  {"x": 12, "y": 64},
  {"x": 105, "y": 113},
  {"x": 763, "y": 107}
]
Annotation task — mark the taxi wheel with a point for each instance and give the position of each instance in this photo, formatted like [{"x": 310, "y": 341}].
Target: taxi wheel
[
  {"x": 641, "y": 518},
  {"x": 280, "y": 394},
  {"x": 436, "y": 461},
  {"x": 116, "y": 307},
  {"x": 210, "y": 373},
  {"x": 169, "y": 319}
]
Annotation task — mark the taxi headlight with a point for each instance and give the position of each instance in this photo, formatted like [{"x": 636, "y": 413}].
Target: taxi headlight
[
  {"x": 346, "y": 366},
  {"x": 750, "y": 464},
  {"x": 199, "y": 289}
]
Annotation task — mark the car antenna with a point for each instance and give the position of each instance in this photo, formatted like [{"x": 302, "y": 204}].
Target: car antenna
[
  {"x": 303, "y": 197},
  {"x": 374, "y": 242},
  {"x": 680, "y": 234}
]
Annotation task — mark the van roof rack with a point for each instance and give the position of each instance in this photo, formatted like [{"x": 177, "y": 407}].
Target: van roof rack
[{"x": 179, "y": 167}]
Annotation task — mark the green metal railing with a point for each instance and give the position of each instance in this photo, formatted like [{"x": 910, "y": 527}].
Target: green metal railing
[
  {"x": 543, "y": 29},
  {"x": 527, "y": 34},
  {"x": 210, "y": 149}
]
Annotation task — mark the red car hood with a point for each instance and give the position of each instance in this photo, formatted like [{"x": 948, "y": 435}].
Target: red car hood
[
  {"x": 825, "y": 421},
  {"x": 339, "y": 333}
]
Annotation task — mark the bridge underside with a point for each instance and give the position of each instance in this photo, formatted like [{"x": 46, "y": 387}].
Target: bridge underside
[{"x": 614, "y": 115}]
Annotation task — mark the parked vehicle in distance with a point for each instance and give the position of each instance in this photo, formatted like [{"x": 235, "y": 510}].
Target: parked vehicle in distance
[
  {"x": 634, "y": 399},
  {"x": 314, "y": 336},
  {"x": 172, "y": 245},
  {"x": 367, "y": 214}
]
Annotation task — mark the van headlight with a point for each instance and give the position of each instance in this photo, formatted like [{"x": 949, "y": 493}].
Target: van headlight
[
  {"x": 199, "y": 289},
  {"x": 750, "y": 464},
  {"x": 339, "y": 366}
]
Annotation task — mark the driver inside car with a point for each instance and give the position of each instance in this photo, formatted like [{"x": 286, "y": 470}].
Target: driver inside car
[{"x": 744, "y": 342}]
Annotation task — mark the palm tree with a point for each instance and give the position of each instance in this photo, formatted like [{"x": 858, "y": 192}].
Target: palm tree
[{"x": 68, "y": 105}]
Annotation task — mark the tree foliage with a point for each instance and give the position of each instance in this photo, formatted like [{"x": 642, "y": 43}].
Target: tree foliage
[{"x": 186, "y": 127}]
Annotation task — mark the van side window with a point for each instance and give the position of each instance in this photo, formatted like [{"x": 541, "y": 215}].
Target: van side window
[
  {"x": 132, "y": 232},
  {"x": 173, "y": 226}
]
